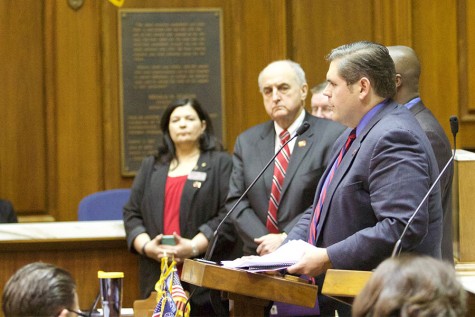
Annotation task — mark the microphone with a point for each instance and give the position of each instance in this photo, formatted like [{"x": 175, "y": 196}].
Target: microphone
[
  {"x": 209, "y": 252},
  {"x": 454, "y": 126}
]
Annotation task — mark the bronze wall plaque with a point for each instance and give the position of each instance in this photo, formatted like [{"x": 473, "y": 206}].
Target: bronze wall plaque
[{"x": 166, "y": 55}]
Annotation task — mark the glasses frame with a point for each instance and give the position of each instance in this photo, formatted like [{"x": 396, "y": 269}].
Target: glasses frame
[
  {"x": 79, "y": 313},
  {"x": 91, "y": 310}
]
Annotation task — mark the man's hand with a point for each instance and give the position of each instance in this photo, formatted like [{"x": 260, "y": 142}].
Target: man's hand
[
  {"x": 269, "y": 243},
  {"x": 314, "y": 262}
]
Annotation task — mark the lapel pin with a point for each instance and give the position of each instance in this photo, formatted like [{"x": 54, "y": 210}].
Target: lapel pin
[
  {"x": 197, "y": 184},
  {"x": 302, "y": 143}
]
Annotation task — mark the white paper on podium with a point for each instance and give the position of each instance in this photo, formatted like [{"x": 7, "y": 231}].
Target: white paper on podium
[{"x": 285, "y": 256}]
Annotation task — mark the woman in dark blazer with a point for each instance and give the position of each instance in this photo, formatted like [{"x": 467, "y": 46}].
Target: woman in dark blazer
[{"x": 180, "y": 192}]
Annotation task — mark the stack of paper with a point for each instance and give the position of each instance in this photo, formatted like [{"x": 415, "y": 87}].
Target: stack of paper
[{"x": 285, "y": 256}]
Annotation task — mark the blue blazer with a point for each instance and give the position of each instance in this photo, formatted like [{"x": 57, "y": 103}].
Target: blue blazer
[{"x": 380, "y": 182}]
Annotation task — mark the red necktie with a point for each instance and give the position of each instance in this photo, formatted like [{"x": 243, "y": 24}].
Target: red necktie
[
  {"x": 316, "y": 214},
  {"x": 281, "y": 162}
]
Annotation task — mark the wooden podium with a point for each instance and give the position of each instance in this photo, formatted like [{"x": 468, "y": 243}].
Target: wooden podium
[
  {"x": 344, "y": 285},
  {"x": 463, "y": 202},
  {"x": 251, "y": 292}
]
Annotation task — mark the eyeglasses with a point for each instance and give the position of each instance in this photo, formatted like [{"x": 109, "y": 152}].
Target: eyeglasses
[
  {"x": 91, "y": 310},
  {"x": 78, "y": 313}
]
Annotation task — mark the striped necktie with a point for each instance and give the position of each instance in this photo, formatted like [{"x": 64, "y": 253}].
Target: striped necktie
[
  {"x": 316, "y": 214},
  {"x": 280, "y": 167}
]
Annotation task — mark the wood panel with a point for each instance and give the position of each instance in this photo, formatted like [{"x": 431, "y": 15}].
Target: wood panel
[
  {"x": 393, "y": 22},
  {"x": 466, "y": 85},
  {"x": 435, "y": 41},
  {"x": 60, "y": 104},
  {"x": 319, "y": 26},
  {"x": 22, "y": 135},
  {"x": 255, "y": 37},
  {"x": 247, "y": 49},
  {"x": 83, "y": 264},
  {"x": 462, "y": 204},
  {"x": 78, "y": 111},
  {"x": 82, "y": 248},
  {"x": 470, "y": 19}
]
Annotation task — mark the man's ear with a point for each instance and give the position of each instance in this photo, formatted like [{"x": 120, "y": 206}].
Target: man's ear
[
  {"x": 304, "y": 91},
  {"x": 365, "y": 86},
  {"x": 64, "y": 313},
  {"x": 398, "y": 80}
]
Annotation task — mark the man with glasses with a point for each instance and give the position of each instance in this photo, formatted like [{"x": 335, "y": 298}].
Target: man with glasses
[{"x": 40, "y": 289}]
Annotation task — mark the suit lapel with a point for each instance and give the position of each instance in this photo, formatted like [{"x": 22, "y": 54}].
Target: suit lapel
[
  {"x": 302, "y": 145},
  {"x": 418, "y": 107},
  {"x": 265, "y": 150},
  {"x": 192, "y": 186},
  {"x": 347, "y": 161},
  {"x": 339, "y": 144},
  {"x": 157, "y": 191}
]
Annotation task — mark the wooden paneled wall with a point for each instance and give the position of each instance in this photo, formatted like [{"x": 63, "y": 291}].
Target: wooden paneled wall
[{"x": 60, "y": 137}]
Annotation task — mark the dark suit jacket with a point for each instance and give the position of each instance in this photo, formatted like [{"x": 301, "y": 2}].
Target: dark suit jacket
[
  {"x": 379, "y": 184},
  {"x": 442, "y": 150},
  {"x": 253, "y": 149},
  {"x": 199, "y": 206},
  {"x": 7, "y": 213}
]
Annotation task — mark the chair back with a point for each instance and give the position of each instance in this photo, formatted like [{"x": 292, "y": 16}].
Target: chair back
[
  {"x": 104, "y": 205},
  {"x": 145, "y": 307}
]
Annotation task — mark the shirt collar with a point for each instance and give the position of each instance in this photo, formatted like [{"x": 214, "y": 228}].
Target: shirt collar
[
  {"x": 293, "y": 127},
  {"x": 369, "y": 115},
  {"x": 412, "y": 102}
]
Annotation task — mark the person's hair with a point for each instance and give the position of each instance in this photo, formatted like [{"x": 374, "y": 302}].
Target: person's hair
[
  {"x": 207, "y": 142},
  {"x": 38, "y": 289},
  {"x": 366, "y": 59},
  {"x": 298, "y": 70},
  {"x": 319, "y": 88},
  {"x": 411, "y": 286}
]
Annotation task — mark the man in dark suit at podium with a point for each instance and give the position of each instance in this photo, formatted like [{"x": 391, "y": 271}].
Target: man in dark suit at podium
[
  {"x": 284, "y": 88},
  {"x": 408, "y": 71},
  {"x": 380, "y": 171}
]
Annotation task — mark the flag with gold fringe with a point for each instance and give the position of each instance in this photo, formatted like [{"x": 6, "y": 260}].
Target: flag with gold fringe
[
  {"x": 117, "y": 3},
  {"x": 171, "y": 297}
]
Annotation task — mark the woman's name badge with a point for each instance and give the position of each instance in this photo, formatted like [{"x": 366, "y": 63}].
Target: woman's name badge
[{"x": 197, "y": 176}]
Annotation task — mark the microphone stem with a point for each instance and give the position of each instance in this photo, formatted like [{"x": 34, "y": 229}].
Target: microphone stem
[
  {"x": 398, "y": 247},
  {"x": 210, "y": 251}
]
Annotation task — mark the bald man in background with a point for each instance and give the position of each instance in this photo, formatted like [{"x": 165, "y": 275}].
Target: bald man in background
[{"x": 408, "y": 71}]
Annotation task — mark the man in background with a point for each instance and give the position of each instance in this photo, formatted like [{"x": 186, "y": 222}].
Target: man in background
[
  {"x": 319, "y": 102},
  {"x": 278, "y": 199},
  {"x": 40, "y": 289},
  {"x": 408, "y": 71}
]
